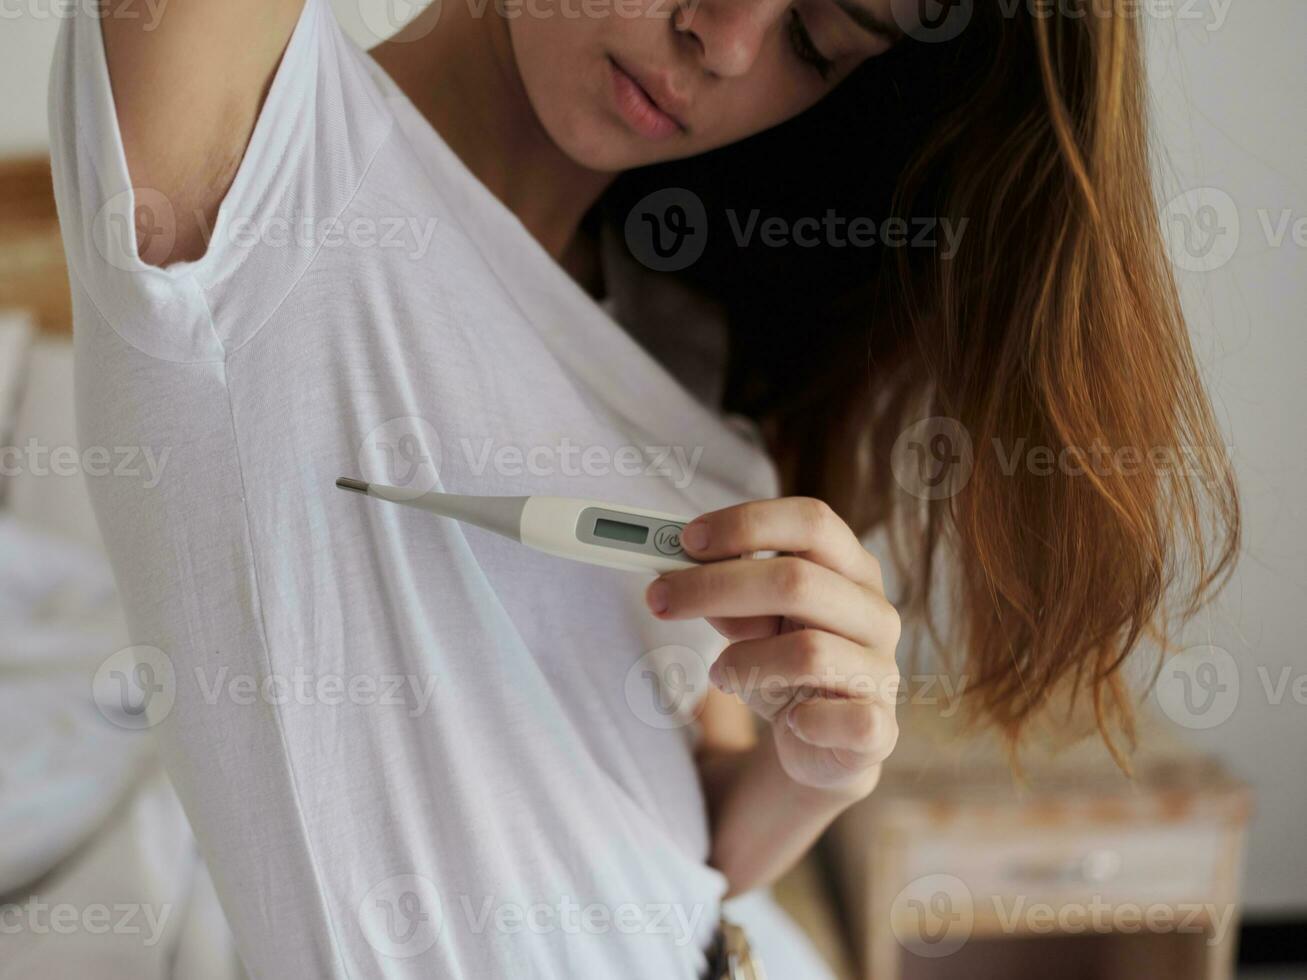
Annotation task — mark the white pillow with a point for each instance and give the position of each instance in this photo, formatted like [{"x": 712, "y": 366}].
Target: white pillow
[{"x": 48, "y": 490}]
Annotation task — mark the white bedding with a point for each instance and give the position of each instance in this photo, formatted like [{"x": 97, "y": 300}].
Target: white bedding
[{"x": 99, "y": 874}]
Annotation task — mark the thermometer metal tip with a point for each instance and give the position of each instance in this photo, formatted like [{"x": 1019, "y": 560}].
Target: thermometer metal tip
[{"x": 502, "y": 515}]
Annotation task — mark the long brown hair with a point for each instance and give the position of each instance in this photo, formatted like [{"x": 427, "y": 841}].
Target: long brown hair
[{"x": 1054, "y": 327}]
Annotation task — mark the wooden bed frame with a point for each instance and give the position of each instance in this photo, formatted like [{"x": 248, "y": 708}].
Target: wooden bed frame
[{"x": 33, "y": 275}]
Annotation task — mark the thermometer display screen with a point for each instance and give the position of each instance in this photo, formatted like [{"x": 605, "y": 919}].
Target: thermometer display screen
[{"x": 621, "y": 531}]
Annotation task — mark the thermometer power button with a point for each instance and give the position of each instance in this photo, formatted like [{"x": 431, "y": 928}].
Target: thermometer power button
[{"x": 667, "y": 539}]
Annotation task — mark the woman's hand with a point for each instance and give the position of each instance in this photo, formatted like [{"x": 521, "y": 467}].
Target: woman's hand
[{"x": 812, "y": 634}]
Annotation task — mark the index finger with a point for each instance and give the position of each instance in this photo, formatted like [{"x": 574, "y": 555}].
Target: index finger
[{"x": 802, "y": 526}]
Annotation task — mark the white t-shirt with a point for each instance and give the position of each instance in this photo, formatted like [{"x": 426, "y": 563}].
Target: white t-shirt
[{"x": 407, "y": 747}]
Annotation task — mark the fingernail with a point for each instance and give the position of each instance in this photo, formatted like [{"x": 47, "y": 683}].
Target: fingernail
[
  {"x": 792, "y": 721},
  {"x": 717, "y": 674},
  {"x": 657, "y": 596},
  {"x": 695, "y": 536}
]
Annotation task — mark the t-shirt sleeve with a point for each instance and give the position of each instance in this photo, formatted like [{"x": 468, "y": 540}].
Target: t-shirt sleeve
[{"x": 318, "y": 130}]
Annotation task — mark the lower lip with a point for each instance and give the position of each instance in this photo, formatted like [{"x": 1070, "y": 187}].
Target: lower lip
[{"x": 639, "y": 111}]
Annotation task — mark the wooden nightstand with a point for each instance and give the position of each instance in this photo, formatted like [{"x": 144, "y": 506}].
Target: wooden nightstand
[{"x": 952, "y": 868}]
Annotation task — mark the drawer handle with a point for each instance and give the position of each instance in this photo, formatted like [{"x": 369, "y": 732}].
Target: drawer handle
[{"x": 1095, "y": 867}]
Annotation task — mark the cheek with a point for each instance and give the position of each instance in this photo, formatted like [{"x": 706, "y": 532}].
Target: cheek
[
  {"x": 541, "y": 45},
  {"x": 564, "y": 72}
]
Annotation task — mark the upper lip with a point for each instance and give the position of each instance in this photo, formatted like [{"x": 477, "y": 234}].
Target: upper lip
[{"x": 661, "y": 93}]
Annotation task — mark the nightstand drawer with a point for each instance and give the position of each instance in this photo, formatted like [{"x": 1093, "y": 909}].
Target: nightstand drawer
[
  {"x": 1144, "y": 864},
  {"x": 956, "y": 869}
]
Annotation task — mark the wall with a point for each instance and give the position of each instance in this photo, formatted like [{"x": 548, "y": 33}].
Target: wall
[
  {"x": 27, "y": 33},
  {"x": 1230, "y": 114}
]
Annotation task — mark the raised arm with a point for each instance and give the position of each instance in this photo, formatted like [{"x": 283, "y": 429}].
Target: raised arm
[{"x": 188, "y": 85}]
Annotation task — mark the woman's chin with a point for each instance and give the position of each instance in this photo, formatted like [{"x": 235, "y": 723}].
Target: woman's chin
[{"x": 606, "y": 146}]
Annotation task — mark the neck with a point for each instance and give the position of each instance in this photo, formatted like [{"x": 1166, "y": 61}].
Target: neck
[{"x": 459, "y": 71}]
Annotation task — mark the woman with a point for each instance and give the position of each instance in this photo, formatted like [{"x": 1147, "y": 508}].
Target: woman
[{"x": 410, "y": 748}]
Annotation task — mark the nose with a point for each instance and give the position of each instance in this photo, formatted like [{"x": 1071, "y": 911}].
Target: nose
[{"x": 729, "y": 33}]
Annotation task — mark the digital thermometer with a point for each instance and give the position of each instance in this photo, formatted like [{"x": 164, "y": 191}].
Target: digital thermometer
[{"x": 583, "y": 530}]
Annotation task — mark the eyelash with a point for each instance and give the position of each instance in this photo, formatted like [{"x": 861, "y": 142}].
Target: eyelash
[{"x": 801, "y": 40}]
